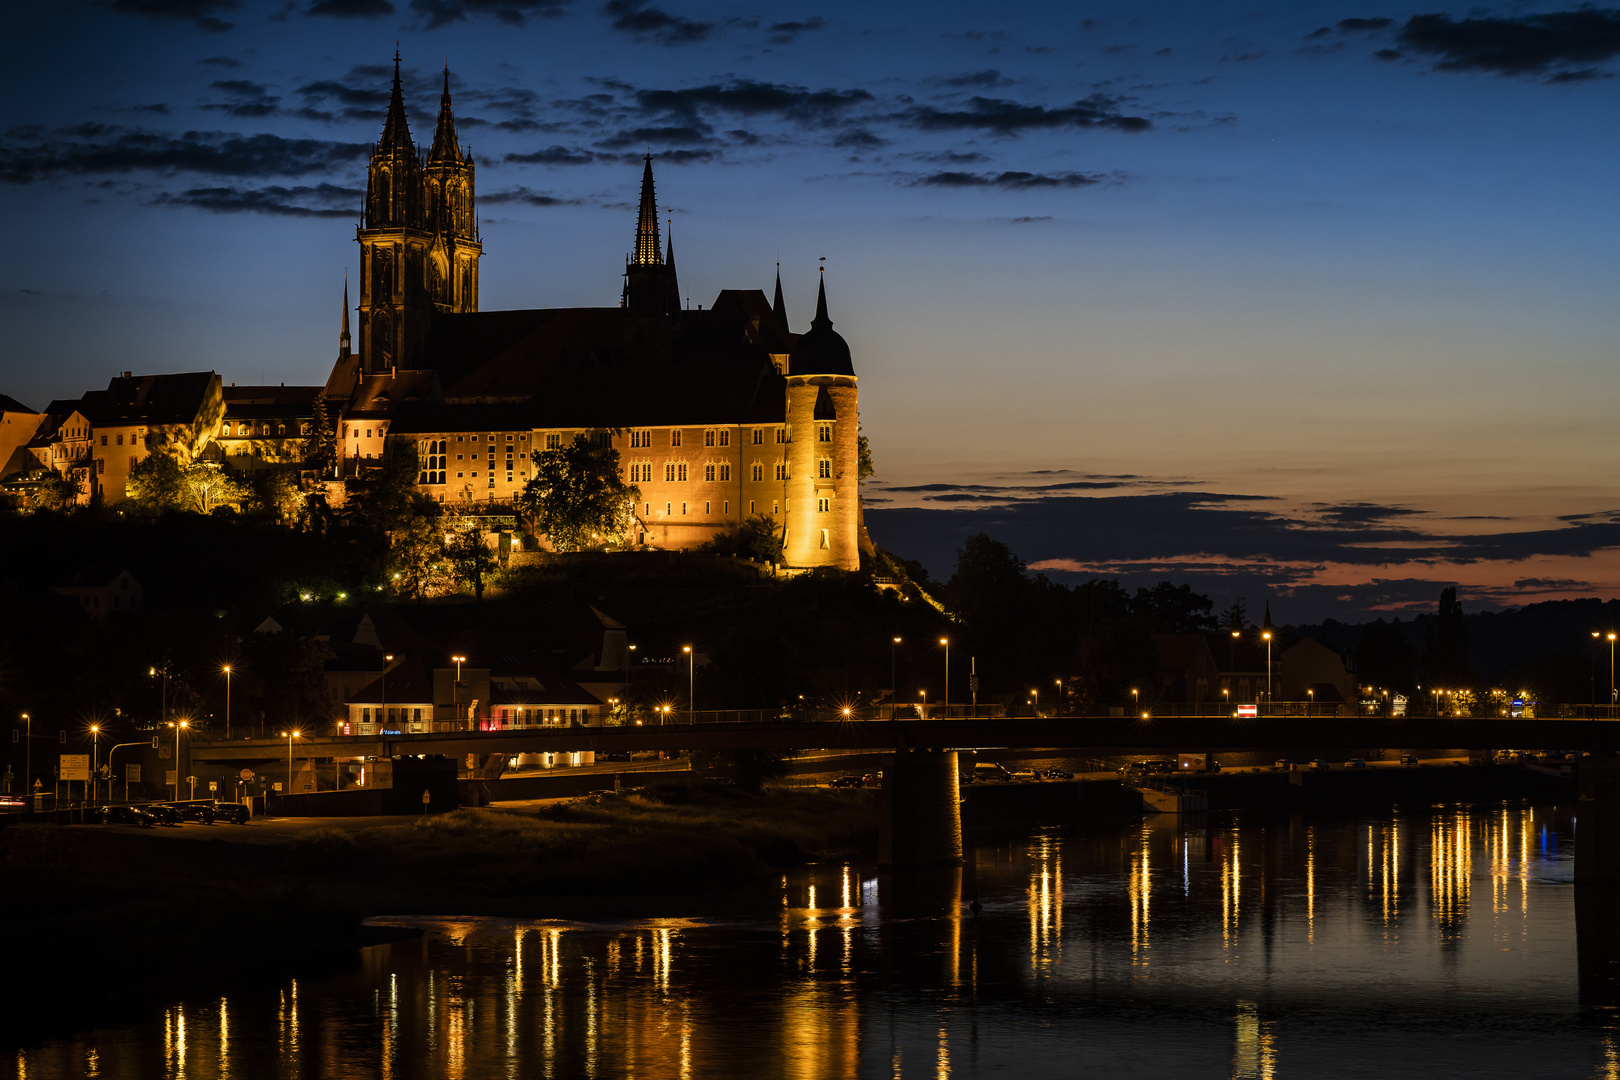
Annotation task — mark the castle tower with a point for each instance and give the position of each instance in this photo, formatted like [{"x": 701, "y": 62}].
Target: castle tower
[
  {"x": 649, "y": 287},
  {"x": 394, "y": 244},
  {"x": 823, "y": 419},
  {"x": 448, "y": 204}
]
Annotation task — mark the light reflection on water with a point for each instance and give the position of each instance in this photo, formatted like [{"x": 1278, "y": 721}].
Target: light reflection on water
[{"x": 1410, "y": 944}]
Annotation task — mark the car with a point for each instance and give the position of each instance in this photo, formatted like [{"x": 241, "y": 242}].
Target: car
[
  {"x": 991, "y": 772},
  {"x": 234, "y": 813},
  {"x": 1409, "y": 759},
  {"x": 1321, "y": 765},
  {"x": 163, "y": 815},
  {"x": 1151, "y": 765},
  {"x": 201, "y": 813},
  {"x": 849, "y": 781},
  {"x": 872, "y": 780},
  {"x": 1356, "y": 763},
  {"x": 1282, "y": 765},
  {"x": 1025, "y": 776},
  {"x": 13, "y": 802},
  {"x": 1059, "y": 774},
  {"x": 127, "y": 815}
]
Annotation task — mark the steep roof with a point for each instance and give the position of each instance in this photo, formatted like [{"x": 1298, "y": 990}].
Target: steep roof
[
  {"x": 11, "y": 404},
  {"x": 149, "y": 399}
]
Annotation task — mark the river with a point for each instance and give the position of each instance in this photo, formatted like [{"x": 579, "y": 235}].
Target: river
[{"x": 1427, "y": 942}]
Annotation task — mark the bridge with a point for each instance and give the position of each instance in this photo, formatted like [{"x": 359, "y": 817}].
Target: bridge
[{"x": 921, "y": 815}]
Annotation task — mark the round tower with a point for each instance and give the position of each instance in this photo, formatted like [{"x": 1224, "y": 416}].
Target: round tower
[{"x": 823, "y": 419}]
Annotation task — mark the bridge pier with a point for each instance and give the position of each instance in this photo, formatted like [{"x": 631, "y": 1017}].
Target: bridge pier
[
  {"x": 1597, "y": 821},
  {"x": 921, "y": 811}
]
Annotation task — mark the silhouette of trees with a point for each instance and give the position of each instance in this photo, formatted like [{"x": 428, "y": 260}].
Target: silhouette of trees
[
  {"x": 1386, "y": 657},
  {"x": 1445, "y": 644}
]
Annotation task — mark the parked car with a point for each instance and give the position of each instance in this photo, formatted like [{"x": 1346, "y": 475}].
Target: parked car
[
  {"x": 1025, "y": 776},
  {"x": 127, "y": 815},
  {"x": 1151, "y": 765},
  {"x": 872, "y": 780},
  {"x": 991, "y": 772},
  {"x": 201, "y": 813},
  {"x": 1321, "y": 765},
  {"x": 846, "y": 780},
  {"x": 1059, "y": 774},
  {"x": 163, "y": 815},
  {"x": 1283, "y": 765},
  {"x": 1409, "y": 759},
  {"x": 232, "y": 813},
  {"x": 1356, "y": 763}
]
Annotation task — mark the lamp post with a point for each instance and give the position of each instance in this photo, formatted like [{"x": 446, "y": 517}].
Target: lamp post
[
  {"x": 178, "y": 726},
  {"x": 387, "y": 659},
  {"x": 922, "y": 711},
  {"x": 291, "y": 735},
  {"x": 1592, "y": 677},
  {"x": 1136, "y": 699},
  {"x": 1267, "y": 635},
  {"x": 1057, "y": 707},
  {"x": 28, "y": 752},
  {"x": 1226, "y": 698},
  {"x": 945, "y": 641},
  {"x": 163, "y": 698},
  {"x": 95, "y": 737},
  {"x": 1035, "y": 702},
  {"x": 1611, "y": 668},
  {"x": 894, "y": 682},
  {"x": 455, "y": 691},
  {"x": 1310, "y": 700},
  {"x": 691, "y": 684},
  {"x": 1231, "y": 651},
  {"x": 227, "y": 701}
]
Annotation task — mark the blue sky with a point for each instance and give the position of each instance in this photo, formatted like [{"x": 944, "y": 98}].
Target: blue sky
[{"x": 1323, "y": 293}]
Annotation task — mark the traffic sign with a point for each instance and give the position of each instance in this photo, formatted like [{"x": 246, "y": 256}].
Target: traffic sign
[
  {"x": 75, "y": 767},
  {"x": 132, "y": 773},
  {"x": 246, "y": 774}
]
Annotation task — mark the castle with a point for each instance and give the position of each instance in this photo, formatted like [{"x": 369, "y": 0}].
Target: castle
[{"x": 718, "y": 414}]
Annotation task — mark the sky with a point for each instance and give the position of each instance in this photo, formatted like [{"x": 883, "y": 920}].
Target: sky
[{"x": 1311, "y": 305}]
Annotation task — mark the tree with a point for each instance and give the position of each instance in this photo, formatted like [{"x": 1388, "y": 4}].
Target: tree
[
  {"x": 320, "y": 449},
  {"x": 470, "y": 558},
  {"x": 1385, "y": 657},
  {"x": 417, "y": 562},
  {"x": 206, "y": 487},
  {"x": 1173, "y": 609},
  {"x": 578, "y": 498},
  {"x": 277, "y": 493},
  {"x": 864, "y": 469},
  {"x": 157, "y": 482},
  {"x": 1235, "y": 617},
  {"x": 388, "y": 494},
  {"x": 52, "y": 491},
  {"x": 1445, "y": 643}
]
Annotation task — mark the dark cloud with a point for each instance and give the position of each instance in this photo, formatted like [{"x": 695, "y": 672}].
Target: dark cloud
[
  {"x": 1242, "y": 58},
  {"x": 1011, "y": 180},
  {"x": 89, "y": 149},
  {"x": 160, "y": 108},
  {"x": 953, "y": 157},
  {"x": 638, "y": 18},
  {"x": 746, "y": 97},
  {"x": 436, "y": 13},
  {"x": 202, "y": 14},
  {"x": 350, "y": 9},
  {"x": 859, "y": 139},
  {"x": 525, "y": 196},
  {"x": 552, "y": 155},
  {"x": 332, "y": 201},
  {"x": 222, "y": 61},
  {"x": 1359, "y": 514},
  {"x": 1557, "y": 46},
  {"x": 248, "y": 99},
  {"x": 1001, "y": 117},
  {"x": 1541, "y": 584},
  {"x": 987, "y": 78},
  {"x": 1028, "y": 220},
  {"x": 658, "y": 135},
  {"x": 784, "y": 33}
]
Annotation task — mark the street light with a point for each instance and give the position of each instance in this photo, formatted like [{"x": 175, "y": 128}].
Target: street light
[
  {"x": 1611, "y": 668},
  {"x": 227, "y": 701},
  {"x": 691, "y": 684},
  {"x": 894, "y": 682},
  {"x": 179, "y": 726},
  {"x": 95, "y": 733},
  {"x": 383, "y": 717},
  {"x": 1310, "y": 700},
  {"x": 291, "y": 735},
  {"x": 1136, "y": 698},
  {"x": 28, "y": 752},
  {"x": 1057, "y": 709},
  {"x": 1231, "y": 651},
  {"x": 922, "y": 711},
  {"x": 1592, "y": 677},
  {"x": 1267, "y": 635},
  {"x": 455, "y": 691},
  {"x": 945, "y": 641}
]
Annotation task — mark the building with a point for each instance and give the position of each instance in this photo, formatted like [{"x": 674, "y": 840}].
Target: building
[{"x": 102, "y": 597}]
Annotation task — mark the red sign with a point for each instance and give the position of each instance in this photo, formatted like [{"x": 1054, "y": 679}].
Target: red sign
[{"x": 1248, "y": 710}]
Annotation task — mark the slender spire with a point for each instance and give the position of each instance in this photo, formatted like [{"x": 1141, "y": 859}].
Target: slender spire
[
  {"x": 396, "y": 132},
  {"x": 647, "y": 253},
  {"x": 780, "y": 307},
  {"x": 674, "y": 299},
  {"x": 445, "y": 147},
  {"x": 821, "y": 319},
  {"x": 343, "y": 338}
]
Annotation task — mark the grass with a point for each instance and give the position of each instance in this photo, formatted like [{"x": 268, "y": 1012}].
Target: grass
[{"x": 668, "y": 838}]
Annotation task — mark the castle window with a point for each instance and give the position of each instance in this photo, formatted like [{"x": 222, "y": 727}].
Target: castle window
[
  {"x": 104, "y": 440},
  {"x": 823, "y": 505},
  {"x": 781, "y": 470},
  {"x": 683, "y": 509},
  {"x": 725, "y": 508},
  {"x": 667, "y": 512},
  {"x": 669, "y": 472},
  {"x": 281, "y": 429},
  {"x": 824, "y": 433},
  {"x": 553, "y": 440},
  {"x": 368, "y": 433},
  {"x": 781, "y": 435},
  {"x": 824, "y": 544},
  {"x": 750, "y": 507},
  {"x": 120, "y": 438},
  {"x": 725, "y": 472},
  {"x": 776, "y": 508},
  {"x": 675, "y": 437},
  {"x": 759, "y": 436},
  {"x": 758, "y": 471},
  {"x": 509, "y": 439},
  {"x": 705, "y": 509},
  {"x": 708, "y": 437},
  {"x": 708, "y": 472},
  {"x": 824, "y": 468},
  {"x": 725, "y": 437},
  {"x": 680, "y": 471}
]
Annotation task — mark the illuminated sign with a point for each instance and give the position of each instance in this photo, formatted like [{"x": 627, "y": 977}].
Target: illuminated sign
[{"x": 1248, "y": 710}]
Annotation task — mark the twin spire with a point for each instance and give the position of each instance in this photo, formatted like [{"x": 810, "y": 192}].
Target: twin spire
[
  {"x": 647, "y": 253},
  {"x": 396, "y": 133}
]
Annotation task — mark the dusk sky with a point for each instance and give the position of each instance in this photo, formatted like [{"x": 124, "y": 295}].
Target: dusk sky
[{"x": 1312, "y": 304}]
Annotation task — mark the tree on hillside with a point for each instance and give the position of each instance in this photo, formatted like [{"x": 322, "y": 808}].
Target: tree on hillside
[
  {"x": 157, "y": 482},
  {"x": 320, "y": 448},
  {"x": 207, "y": 487},
  {"x": 864, "y": 468},
  {"x": 470, "y": 558},
  {"x": 1235, "y": 617},
  {"x": 388, "y": 493},
  {"x": 578, "y": 499},
  {"x": 1021, "y": 629},
  {"x": 1173, "y": 609},
  {"x": 1445, "y": 644},
  {"x": 418, "y": 565}
]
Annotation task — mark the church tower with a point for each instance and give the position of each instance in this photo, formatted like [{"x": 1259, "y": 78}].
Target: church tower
[
  {"x": 395, "y": 241},
  {"x": 649, "y": 281},
  {"x": 452, "y": 265}
]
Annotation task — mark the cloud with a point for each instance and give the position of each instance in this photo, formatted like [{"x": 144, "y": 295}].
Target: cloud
[
  {"x": 527, "y": 197},
  {"x": 859, "y": 139},
  {"x": 1007, "y": 181},
  {"x": 552, "y": 155},
  {"x": 784, "y": 33},
  {"x": 987, "y": 79},
  {"x": 249, "y": 99},
  {"x": 658, "y": 135},
  {"x": 92, "y": 149},
  {"x": 1539, "y": 584},
  {"x": 350, "y": 9},
  {"x": 221, "y": 61},
  {"x": 1360, "y": 514},
  {"x": 274, "y": 200},
  {"x": 200, "y": 13},
  {"x": 1557, "y": 46},
  {"x": 748, "y": 97},
  {"x": 636, "y": 17},
  {"x": 1002, "y": 117},
  {"x": 434, "y": 14}
]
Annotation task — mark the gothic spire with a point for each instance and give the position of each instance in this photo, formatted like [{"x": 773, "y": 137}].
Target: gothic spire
[
  {"x": 674, "y": 280},
  {"x": 780, "y": 307},
  {"x": 444, "y": 139},
  {"x": 396, "y": 132},
  {"x": 343, "y": 338},
  {"x": 647, "y": 253},
  {"x": 821, "y": 319}
]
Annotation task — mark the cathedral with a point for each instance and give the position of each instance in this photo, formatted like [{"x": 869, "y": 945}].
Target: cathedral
[{"x": 718, "y": 414}]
